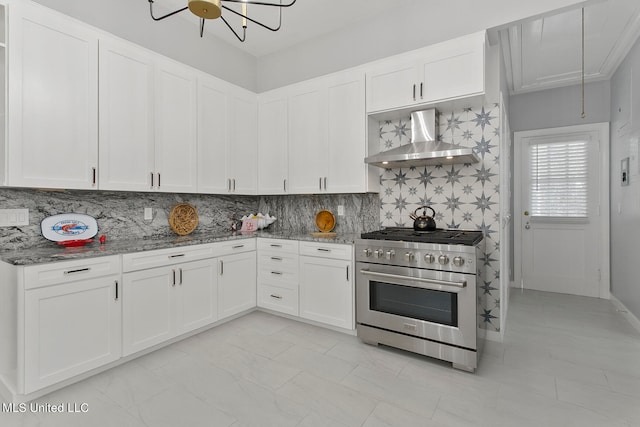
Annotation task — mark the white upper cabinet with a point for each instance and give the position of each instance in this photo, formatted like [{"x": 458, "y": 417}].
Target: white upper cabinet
[
  {"x": 175, "y": 128},
  {"x": 444, "y": 71},
  {"x": 126, "y": 117},
  {"x": 308, "y": 132},
  {"x": 53, "y": 100},
  {"x": 273, "y": 147},
  {"x": 227, "y": 138}
]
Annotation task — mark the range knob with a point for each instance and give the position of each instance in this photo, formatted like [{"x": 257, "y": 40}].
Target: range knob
[
  {"x": 443, "y": 260},
  {"x": 409, "y": 256},
  {"x": 429, "y": 258},
  {"x": 379, "y": 253},
  {"x": 366, "y": 252},
  {"x": 391, "y": 253},
  {"x": 458, "y": 261}
]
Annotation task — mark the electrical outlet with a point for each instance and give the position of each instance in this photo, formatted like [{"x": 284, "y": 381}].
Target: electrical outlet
[
  {"x": 340, "y": 210},
  {"x": 148, "y": 213},
  {"x": 14, "y": 217}
]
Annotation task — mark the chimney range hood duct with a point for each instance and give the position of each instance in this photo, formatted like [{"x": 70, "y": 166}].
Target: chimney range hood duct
[{"x": 424, "y": 148}]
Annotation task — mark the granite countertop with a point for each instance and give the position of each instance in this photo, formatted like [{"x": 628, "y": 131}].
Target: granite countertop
[{"x": 50, "y": 252}]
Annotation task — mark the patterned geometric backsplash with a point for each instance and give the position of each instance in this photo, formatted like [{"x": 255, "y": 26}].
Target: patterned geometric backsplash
[{"x": 466, "y": 196}]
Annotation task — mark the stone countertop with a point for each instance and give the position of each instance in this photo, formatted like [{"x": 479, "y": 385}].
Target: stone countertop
[{"x": 50, "y": 252}]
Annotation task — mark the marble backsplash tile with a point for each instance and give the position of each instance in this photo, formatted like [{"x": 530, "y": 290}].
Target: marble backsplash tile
[
  {"x": 297, "y": 213},
  {"x": 120, "y": 215}
]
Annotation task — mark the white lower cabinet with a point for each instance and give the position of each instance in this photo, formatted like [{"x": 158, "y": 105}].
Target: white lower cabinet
[
  {"x": 326, "y": 285},
  {"x": 161, "y": 303},
  {"x": 278, "y": 275},
  {"x": 71, "y": 326},
  {"x": 236, "y": 283}
]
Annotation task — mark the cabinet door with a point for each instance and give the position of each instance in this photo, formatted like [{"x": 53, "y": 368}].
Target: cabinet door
[
  {"x": 454, "y": 69},
  {"x": 198, "y": 301},
  {"x": 213, "y": 129},
  {"x": 326, "y": 291},
  {"x": 53, "y": 100},
  {"x": 242, "y": 156},
  {"x": 347, "y": 141},
  {"x": 126, "y": 117},
  {"x": 273, "y": 156},
  {"x": 70, "y": 329},
  {"x": 236, "y": 283},
  {"x": 392, "y": 85},
  {"x": 308, "y": 138},
  {"x": 148, "y": 308},
  {"x": 175, "y": 128}
]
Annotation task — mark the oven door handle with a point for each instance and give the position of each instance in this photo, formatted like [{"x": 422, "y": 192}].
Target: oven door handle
[{"x": 462, "y": 284}]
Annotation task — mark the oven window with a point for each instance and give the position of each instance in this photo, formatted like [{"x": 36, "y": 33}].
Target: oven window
[{"x": 423, "y": 304}]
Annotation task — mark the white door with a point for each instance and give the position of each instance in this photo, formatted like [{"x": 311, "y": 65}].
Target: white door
[
  {"x": 273, "y": 156},
  {"x": 347, "y": 141},
  {"x": 126, "y": 117},
  {"x": 198, "y": 302},
  {"x": 213, "y": 129},
  {"x": 148, "y": 310},
  {"x": 70, "y": 329},
  {"x": 175, "y": 128},
  {"x": 236, "y": 283},
  {"x": 242, "y": 157},
  {"x": 562, "y": 229},
  {"x": 308, "y": 138},
  {"x": 53, "y": 100},
  {"x": 326, "y": 291}
]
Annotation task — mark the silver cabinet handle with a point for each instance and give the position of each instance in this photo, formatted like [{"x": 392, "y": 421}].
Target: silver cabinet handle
[
  {"x": 285, "y": 185},
  {"x": 234, "y": 185},
  {"x": 237, "y": 247},
  {"x": 158, "y": 179},
  {"x": 324, "y": 250},
  {"x": 273, "y": 245},
  {"x": 277, "y": 273},
  {"x": 221, "y": 267},
  {"x": 320, "y": 183},
  {"x": 176, "y": 256},
  {"x": 414, "y": 92},
  {"x": 347, "y": 273},
  {"x": 275, "y": 296},
  {"x": 421, "y": 84},
  {"x": 80, "y": 270},
  {"x": 276, "y": 258},
  {"x": 229, "y": 184},
  {"x": 152, "y": 179},
  {"x": 181, "y": 277},
  {"x": 174, "y": 277},
  {"x": 116, "y": 282},
  {"x": 325, "y": 183},
  {"x": 94, "y": 170}
]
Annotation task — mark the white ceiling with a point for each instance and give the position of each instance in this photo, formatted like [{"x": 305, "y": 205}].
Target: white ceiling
[
  {"x": 303, "y": 21},
  {"x": 545, "y": 52}
]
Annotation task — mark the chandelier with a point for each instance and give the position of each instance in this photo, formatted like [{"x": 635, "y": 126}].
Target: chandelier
[{"x": 212, "y": 9}]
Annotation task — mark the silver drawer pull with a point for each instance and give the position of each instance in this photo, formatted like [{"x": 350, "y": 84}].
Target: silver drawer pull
[
  {"x": 275, "y": 296},
  {"x": 324, "y": 250},
  {"x": 276, "y": 258},
  {"x": 273, "y": 245},
  {"x": 176, "y": 256},
  {"x": 80, "y": 270},
  {"x": 277, "y": 273},
  {"x": 237, "y": 247}
]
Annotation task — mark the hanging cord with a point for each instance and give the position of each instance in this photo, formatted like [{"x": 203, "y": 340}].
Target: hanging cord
[{"x": 583, "y": 115}]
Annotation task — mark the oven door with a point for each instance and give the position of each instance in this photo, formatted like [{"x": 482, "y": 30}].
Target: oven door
[{"x": 433, "y": 305}]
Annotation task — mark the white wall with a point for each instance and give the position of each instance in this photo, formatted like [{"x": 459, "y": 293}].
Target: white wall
[
  {"x": 625, "y": 201},
  {"x": 560, "y": 107},
  {"x": 174, "y": 37}
]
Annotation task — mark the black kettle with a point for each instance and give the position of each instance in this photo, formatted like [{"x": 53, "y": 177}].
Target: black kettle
[{"x": 423, "y": 222}]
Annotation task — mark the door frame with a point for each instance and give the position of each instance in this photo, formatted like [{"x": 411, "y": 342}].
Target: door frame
[{"x": 603, "y": 203}]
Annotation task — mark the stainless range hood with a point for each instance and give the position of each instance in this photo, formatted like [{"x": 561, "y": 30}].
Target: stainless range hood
[{"x": 424, "y": 148}]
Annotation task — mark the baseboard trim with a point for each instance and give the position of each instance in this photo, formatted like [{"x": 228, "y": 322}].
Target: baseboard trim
[{"x": 635, "y": 322}]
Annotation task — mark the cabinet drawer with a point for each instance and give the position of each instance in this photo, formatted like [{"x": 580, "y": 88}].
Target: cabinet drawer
[
  {"x": 162, "y": 257},
  {"x": 278, "y": 278},
  {"x": 69, "y": 271},
  {"x": 234, "y": 246},
  {"x": 324, "y": 250},
  {"x": 278, "y": 299},
  {"x": 278, "y": 245},
  {"x": 279, "y": 262}
]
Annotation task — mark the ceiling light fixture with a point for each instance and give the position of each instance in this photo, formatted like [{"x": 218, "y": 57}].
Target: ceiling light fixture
[{"x": 212, "y": 9}]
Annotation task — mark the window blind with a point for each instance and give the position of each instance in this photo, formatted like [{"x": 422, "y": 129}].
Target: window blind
[{"x": 559, "y": 179}]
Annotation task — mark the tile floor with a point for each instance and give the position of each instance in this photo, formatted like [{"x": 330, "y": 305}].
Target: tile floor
[{"x": 566, "y": 361}]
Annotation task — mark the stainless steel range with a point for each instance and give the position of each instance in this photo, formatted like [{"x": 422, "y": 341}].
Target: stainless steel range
[{"x": 418, "y": 291}]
